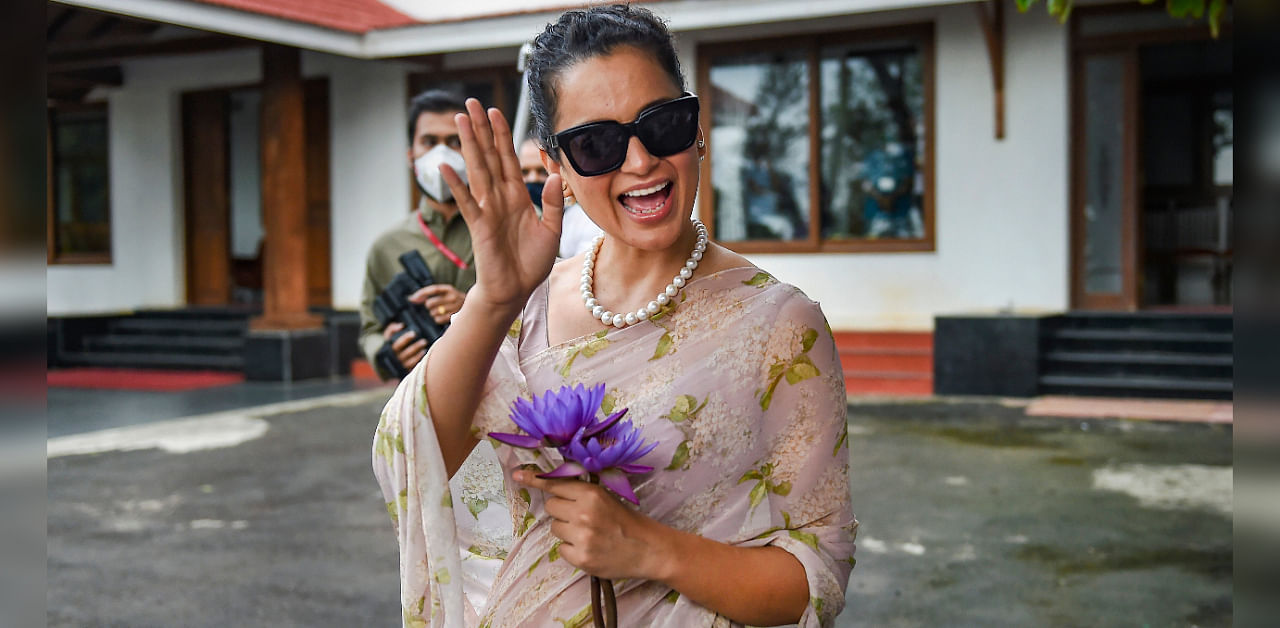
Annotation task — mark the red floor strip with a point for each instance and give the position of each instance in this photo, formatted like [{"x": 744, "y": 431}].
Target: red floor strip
[{"x": 138, "y": 379}]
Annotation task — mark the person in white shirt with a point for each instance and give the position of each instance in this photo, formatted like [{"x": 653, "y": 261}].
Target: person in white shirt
[{"x": 577, "y": 230}]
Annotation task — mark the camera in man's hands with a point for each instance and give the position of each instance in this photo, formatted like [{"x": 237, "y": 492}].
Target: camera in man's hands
[{"x": 393, "y": 305}]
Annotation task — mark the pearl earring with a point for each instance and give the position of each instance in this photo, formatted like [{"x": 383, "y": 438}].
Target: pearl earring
[{"x": 701, "y": 144}]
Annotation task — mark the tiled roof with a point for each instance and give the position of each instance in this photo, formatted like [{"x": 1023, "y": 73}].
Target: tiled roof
[{"x": 353, "y": 16}]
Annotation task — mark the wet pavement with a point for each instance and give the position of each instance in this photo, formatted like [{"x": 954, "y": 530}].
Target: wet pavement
[{"x": 971, "y": 513}]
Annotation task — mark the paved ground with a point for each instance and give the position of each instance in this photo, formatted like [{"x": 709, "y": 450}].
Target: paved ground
[{"x": 972, "y": 515}]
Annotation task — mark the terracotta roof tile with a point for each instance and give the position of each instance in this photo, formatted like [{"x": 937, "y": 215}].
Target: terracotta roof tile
[{"x": 353, "y": 16}]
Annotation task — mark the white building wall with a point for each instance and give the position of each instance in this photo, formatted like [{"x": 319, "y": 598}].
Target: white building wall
[
  {"x": 369, "y": 174},
  {"x": 369, "y": 171},
  {"x": 1002, "y": 221},
  {"x": 147, "y": 266}
]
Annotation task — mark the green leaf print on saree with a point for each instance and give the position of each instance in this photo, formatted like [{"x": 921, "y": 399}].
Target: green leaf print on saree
[
  {"x": 764, "y": 484},
  {"x": 592, "y": 347},
  {"x": 665, "y": 346},
  {"x": 686, "y": 407},
  {"x": 795, "y": 370},
  {"x": 680, "y": 459},
  {"x": 475, "y": 505},
  {"x": 579, "y": 620},
  {"x": 759, "y": 280}
]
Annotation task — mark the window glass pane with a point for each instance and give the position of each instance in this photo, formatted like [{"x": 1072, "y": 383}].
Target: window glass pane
[
  {"x": 760, "y": 143},
  {"x": 1104, "y": 174},
  {"x": 81, "y": 193},
  {"x": 872, "y": 143},
  {"x": 1223, "y": 140}
]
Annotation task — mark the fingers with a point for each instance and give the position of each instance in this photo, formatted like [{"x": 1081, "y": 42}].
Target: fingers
[
  {"x": 391, "y": 329},
  {"x": 461, "y": 193},
  {"x": 413, "y": 360},
  {"x": 483, "y": 134},
  {"x": 477, "y": 170},
  {"x": 504, "y": 144},
  {"x": 434, "y": 290},
  {"x": 413, "y": 353},
  {"x": 553, "y": 204},
  {"x": 567, "y": 489},
  {"x": 403, "y": 341}
]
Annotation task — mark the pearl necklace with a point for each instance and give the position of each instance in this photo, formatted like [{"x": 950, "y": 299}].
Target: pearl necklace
[{"x": 663, "y": 298}]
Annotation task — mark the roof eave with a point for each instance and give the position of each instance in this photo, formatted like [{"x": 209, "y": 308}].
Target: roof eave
[
  {"x": 472, "y": 34},
  {"x": 228, "y": 21}
]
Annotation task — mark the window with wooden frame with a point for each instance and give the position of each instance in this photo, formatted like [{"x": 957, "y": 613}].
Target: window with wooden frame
[
  {"x": 820, "y": 143},
  {"x": 79, "y": 190}
]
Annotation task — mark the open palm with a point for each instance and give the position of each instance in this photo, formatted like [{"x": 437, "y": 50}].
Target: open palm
[{"x": 514, "y": 248}]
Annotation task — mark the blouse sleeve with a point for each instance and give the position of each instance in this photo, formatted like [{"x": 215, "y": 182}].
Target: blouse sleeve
[
  {"x": 410, "y": 470},
  {"x": 805, "y": 477}
]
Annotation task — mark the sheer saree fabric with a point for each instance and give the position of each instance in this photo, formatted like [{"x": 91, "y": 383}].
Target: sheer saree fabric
[{"x": 739, "y": 383}]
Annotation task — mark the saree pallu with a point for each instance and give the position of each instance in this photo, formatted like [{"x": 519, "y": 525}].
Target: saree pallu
[{"x": 740, "y": 384}]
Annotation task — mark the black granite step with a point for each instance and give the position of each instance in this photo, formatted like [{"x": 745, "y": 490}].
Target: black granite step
[
  {"x": 180, "y": 326},
  {"x": 1152, "y": 321},
  {"x": 1168, "y": 387},
  {"x": 153, "y": 360},
  {"x": 1147, "y": 354},
  {"x": 144, "y": 343}
]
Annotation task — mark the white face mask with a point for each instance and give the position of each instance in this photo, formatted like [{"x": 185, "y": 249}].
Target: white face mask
[{"x": 427, "y": 171}]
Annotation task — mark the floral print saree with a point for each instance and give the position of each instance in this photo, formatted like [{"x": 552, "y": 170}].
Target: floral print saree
[{"x": 739, "y": 383}]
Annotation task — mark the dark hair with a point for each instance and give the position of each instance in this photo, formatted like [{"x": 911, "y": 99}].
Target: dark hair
[
  {"x": 433, "y": 101},
  {"x": 582, "y": 34}
]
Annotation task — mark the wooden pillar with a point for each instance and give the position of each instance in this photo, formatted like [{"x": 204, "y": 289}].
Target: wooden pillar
[
  {"x": 993, "y": 32},
  {"x": 284, "y": 193}
]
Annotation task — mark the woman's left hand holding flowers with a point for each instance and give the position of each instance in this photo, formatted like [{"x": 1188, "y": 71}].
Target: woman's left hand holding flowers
[{"x": 600, "y": 535}]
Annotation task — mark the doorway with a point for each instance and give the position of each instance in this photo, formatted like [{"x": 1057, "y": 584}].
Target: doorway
[
  {"x": 1152, "y": 205},
  {"x": 222, "y": 141}
]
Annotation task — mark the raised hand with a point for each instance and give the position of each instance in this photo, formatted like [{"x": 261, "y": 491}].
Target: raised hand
[{"x": 514, "y": 248}]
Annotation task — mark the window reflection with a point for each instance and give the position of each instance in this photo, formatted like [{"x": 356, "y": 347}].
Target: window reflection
[
  {"x": 872, "y": 143},
  {"x": 759, "y": 131}
]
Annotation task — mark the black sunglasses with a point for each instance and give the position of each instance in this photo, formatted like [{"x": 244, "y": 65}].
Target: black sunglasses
[{"x": 599, "y": 147}]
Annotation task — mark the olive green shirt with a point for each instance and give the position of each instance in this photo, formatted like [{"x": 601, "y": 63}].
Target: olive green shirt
[{"x": 383, "y": 263}]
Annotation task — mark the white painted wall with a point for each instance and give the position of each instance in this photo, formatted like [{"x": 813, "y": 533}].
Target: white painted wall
[
  {"x": 369, "y": 171},
  {"x": 1002, "y": 219},
  {"x": 370, "y": 180},
  {"x": 144, "y": 130}
]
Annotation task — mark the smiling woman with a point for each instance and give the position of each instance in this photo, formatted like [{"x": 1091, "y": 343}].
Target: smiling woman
[{"x": 743, "y": 510}]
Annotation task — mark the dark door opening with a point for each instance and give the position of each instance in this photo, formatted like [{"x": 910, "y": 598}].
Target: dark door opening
[
  {"x": 1151, "y": 163},
  {"x": 1186, "y": 212}
]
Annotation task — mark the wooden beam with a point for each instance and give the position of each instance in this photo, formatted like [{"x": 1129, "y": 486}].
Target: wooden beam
[
  {"x": 993, "y": 32},
  {"x": 284, "y": 193},
  {"x": 81, "y": 56},
  {"x": 108, "y": 77},
  {"x": 57, "y": 18}
]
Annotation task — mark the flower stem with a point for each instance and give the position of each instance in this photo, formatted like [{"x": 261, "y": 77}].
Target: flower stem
[
  {"x": 597, "y": 619},
  {"x": 597, "y": 585},
  {"x": 610, "y": 605}
]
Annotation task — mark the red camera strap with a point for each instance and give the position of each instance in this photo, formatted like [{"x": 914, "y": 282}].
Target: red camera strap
[{"x": 440, "y": 246}]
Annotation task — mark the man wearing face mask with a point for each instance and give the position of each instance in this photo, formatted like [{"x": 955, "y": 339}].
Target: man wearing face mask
[{"x": 436, "y": 230}]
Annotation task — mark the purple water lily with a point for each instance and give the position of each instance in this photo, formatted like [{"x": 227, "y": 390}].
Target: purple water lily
[
  {"x": 555, "y": 417},
  {"x": 609, "y": 455}
]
